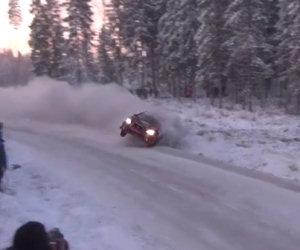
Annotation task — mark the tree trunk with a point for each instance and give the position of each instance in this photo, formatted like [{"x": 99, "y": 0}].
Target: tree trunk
[
  {"x": 236, "y": 93},
  {"x": 287, "y": 101},
  {"x": 120, "y": 67},
  {"x": 220, "y": 94},
  {"x": 174, "y": 85},
  {"x": 142, "y": 72},
  {"x": 153, "y": 72},
  {"x": 298, "y": 104},
  {"x": 244, "y": 97},
  {"x": 280, "y": 95},
  {"x": 250, "y": 99}
]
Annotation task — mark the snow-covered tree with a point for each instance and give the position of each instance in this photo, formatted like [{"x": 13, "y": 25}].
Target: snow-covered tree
[
  {"x": 283, "y": 63},
  {"x": 145, "y": 29},
  {"x": 138, "y": 36},
  {"x": 39, "y": 38},
  {"x": 272, "y": 12},
  {"x": 270, "y": 30},
  {"x": 133, "y": 38},
  {"x": 212, "y": 52},
  {"x": 79, "y": 47},
  {"x": 246, "y": 20},
  {"x": 47, "y": 39},
  {"x": 110, "y": 57},
  {"x": 290, "y": 49},
  {"x": 14, "y": 13},
  {"x": 104, "y": 56},
  {"x": 57, "y": 42},
  {"x": 177, "y": 47}
]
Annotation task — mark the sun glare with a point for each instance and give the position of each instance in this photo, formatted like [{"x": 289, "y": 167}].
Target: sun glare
[{"x": 17, "y": 40}]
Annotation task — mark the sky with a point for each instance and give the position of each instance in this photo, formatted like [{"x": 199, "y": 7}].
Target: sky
[
  {"x": 17, "y": 40},
  {"x": 11, "y": 38}
]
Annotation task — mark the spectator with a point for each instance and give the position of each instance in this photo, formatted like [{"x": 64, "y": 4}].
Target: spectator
[
  {"x": 33, "y": 236},
  {"x": 3, "y": 160}
]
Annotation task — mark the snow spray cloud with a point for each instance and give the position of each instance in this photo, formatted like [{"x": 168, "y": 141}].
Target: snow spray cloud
[
  {"x": 102, "y": 107},
  {"x": 50, "y": 101},
  {"x": 173, "y": 129}
]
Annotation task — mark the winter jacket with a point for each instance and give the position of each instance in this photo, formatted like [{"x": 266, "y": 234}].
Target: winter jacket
[{"x": 3, "y": 159}]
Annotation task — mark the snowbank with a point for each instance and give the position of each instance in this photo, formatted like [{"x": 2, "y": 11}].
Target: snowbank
[{"x": 267, "y": 141}]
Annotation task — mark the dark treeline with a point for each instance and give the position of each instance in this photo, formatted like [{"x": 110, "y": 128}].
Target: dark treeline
[
  {"x": 244, "y": 50},
  {"x": 15, "y": 70}
]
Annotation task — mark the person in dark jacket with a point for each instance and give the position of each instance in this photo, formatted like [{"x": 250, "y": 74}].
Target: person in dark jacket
[
  {"x": 31, "y": 236},
  {"x": 3, "y": 160}
]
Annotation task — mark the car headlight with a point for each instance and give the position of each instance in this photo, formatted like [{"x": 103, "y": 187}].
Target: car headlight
[
  {"x": 128, "y": 121},
  {"x": 150, "y": 132}
]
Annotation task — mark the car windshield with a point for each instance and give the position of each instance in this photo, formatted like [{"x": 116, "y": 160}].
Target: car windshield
[{"x": 148, "y": 118}]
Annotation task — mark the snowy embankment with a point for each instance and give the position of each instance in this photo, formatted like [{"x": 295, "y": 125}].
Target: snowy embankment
[{"x": 267, "y": 141}]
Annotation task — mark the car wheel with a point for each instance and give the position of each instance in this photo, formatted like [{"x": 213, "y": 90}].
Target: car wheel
[{"x": 123, "y": 133}]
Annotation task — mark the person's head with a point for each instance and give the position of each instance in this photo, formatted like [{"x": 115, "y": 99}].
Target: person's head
[{"x": 31, "y": 236}]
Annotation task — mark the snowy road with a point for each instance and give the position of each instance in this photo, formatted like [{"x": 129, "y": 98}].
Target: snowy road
[{"x": 169, "y": 200}]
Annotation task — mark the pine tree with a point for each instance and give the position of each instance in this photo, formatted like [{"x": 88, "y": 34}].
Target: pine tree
[
  {"x": 270, "y": 26},
  {"x": 135, "y": 26},
  {"x": 292, "y": 41},
  {"x": 177, "y": 28},
  {"x": 14, "y": 13},
  {"x": 212, "y": 52},
  {"x": 57, "y": 42},
  {"x": 284, "y": 52},
  {"x": 145, "y": 24},
  {"x": 113, "y": 24},
  {"x": 39, "y": 39},
  {"x": 105, "y": 58},
  {"x": 79, "y": 48},
  {"x": 246, "y": 20},
  {"x": 47, "y": 39}
]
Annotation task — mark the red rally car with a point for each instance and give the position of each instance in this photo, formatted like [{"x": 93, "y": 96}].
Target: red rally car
[{"x": 143, "y": 125}]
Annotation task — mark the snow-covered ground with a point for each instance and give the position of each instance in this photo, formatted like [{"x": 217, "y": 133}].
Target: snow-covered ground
[
  {"x": 108, "y": 196},
  {"x": 107, "y": 192},
  {"x": 40, "y": 191},
  {"x": 267, "y": 141}
]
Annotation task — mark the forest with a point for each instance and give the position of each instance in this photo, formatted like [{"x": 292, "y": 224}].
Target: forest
[{"x": 241, "y": 52}]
